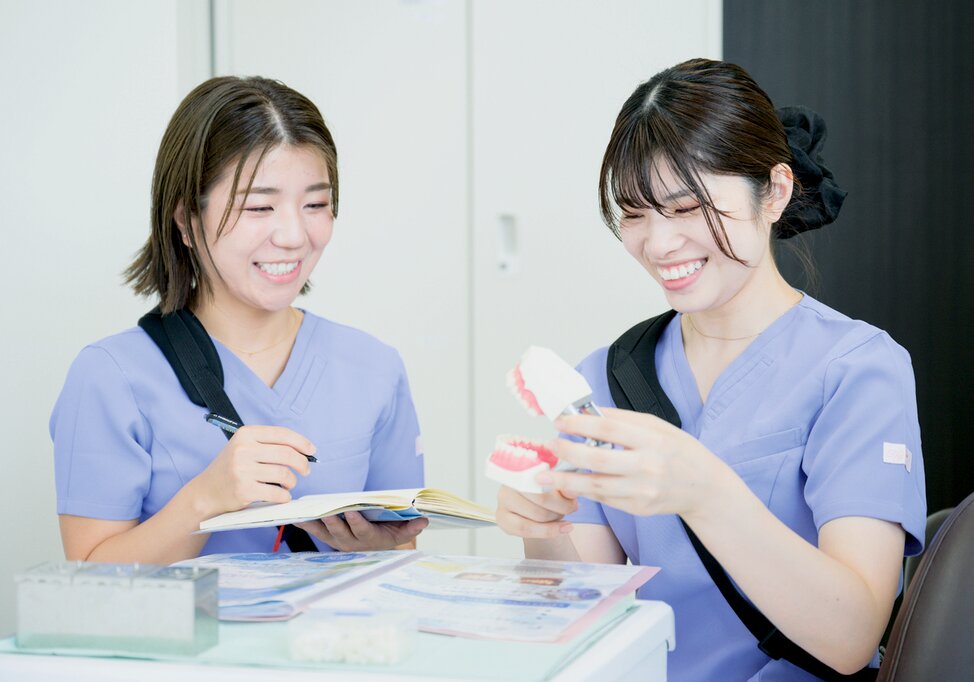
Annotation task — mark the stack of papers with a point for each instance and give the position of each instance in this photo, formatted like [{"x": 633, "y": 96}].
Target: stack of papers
[
  {"x": 279, "y": 586},
  {"x": 522, "y": 600}
]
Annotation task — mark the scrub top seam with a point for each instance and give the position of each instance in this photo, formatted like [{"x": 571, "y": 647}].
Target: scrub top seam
[
  {"x": 128, "y": 386},
  {"x": 394, "y": 400},
  {"x": 680, "y": 362},
  {"x": 843, "y": 356}
]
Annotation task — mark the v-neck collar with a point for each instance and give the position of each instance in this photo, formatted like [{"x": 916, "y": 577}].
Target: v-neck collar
[
  {"x": 736, "y": 377},
  {"x": 271, "y": 395}
]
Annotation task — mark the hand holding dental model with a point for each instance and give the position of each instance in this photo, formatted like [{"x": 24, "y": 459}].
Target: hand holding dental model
[
  {"x": 546, "y": 385},
  {"x": 660, "y": 473}
]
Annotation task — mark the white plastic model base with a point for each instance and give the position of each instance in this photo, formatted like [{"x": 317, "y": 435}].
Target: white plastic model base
[
  {"x": 546, "y": 384},
  {"x": 522, "y": 481},
  {"x": 516, "y": 461}
]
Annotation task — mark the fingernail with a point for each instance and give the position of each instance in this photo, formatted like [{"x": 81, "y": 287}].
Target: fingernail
[
  {"x": 565, "y": 528},
  {"x": 544, "y": 478}
]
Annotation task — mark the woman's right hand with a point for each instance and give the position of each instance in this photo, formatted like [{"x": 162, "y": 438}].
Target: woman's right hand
[
  {"x": 534, "y": 516},
  {"x": 245, "y": 471}
]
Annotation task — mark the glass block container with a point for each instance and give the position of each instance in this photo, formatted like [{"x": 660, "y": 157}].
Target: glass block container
[{"x": 117, "y": 607}]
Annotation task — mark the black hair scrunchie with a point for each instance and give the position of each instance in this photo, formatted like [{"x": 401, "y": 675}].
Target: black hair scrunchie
[{"x": 821, "y": 197}]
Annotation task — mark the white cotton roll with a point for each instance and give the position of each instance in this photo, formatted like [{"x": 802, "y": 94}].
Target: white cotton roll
[{"x": 352, "y": 636}]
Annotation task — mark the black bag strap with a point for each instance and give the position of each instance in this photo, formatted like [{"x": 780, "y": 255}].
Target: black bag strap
[
  {"x": 634, "y": 385},
  {"x": 192, "y": 355}
]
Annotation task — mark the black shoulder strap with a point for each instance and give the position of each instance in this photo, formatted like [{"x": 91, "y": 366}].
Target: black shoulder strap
[
  {"x": 189, "y": 349},
  {"x": 192, "y": 355},
  {"x": 631, "y": 368},
  {"x": 634, "y": 385}
]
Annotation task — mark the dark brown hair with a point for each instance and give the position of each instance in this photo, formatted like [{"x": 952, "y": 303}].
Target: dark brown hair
[
  {"x": 218, "y": 126},
  {"x": 700, "y": 116}
]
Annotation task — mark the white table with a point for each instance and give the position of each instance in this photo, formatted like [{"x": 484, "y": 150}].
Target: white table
[{"x": 635, "y": 649}]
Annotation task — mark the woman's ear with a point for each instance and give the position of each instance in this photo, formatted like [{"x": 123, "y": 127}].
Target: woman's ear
[
  {"x": 782, "y": 185},
  {"x": 180, "y": 219}
]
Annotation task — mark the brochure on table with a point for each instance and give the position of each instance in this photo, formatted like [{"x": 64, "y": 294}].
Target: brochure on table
[
  {"x": 278, "y": 586},
  {"x": 512, "y": 599}
]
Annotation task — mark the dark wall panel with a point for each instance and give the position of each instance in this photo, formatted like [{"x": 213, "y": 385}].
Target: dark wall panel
[{"x": 894, "y": 80}]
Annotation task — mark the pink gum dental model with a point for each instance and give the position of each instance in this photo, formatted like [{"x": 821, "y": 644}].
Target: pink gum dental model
[
  {"x": 546, "y": 385},
  {"x": 516, "y": 461}
]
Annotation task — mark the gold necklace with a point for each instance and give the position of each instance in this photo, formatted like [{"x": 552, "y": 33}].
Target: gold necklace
[
  {"x": 719, "y": 338},
  {"x": 295, "y": 318}
]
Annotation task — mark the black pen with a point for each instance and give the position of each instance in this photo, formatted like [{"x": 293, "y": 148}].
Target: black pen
[{"x": 231, "y": 426}]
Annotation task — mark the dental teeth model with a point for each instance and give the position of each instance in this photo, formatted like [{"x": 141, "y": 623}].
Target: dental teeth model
[
  {"x": 546, "y": 385},
  {"x": 515, "y": 462}
]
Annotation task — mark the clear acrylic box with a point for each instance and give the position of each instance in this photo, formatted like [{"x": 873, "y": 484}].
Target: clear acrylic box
[{"x": 117, "y": 607}]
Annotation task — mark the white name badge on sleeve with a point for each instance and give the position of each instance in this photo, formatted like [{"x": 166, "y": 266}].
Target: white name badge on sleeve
[{"x": 898, "y": 453}]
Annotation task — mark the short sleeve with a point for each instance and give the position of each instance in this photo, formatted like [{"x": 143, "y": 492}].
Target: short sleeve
[
  {"x": 101, "y": 469},
  {"x": 397, "y": 449},
  {"x": 863, "y": 453}
]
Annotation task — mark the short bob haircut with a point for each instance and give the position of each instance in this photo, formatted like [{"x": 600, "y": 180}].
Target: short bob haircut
[
  {"x": 700, "y": 116},
  {"x": 216, "y": 129}
]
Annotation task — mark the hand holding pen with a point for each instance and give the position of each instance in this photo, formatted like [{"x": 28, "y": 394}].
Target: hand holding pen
[
  {"x": 259, "y": 464},
  {"x": 231, "y": 426}
]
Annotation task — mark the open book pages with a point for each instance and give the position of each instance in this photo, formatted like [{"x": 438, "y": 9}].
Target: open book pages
[{"x": 444, "y": 510}]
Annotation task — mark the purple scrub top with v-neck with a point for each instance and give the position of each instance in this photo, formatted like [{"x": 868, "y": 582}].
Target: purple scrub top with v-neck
[
  {"x": 127, "y": 438},
  {"x": 818, "y": 416}
]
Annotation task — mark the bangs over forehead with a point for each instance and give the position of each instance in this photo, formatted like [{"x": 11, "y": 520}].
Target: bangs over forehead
[
  {"x": 648, "y": 164},
  {"x": 698, "y": 117},
  {"x": 253, "y": 153}
]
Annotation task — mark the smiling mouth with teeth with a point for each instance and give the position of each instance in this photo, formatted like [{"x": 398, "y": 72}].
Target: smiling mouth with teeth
[
  {"x": 277, "y": 268},
  {"x": 681, "y": 271}
]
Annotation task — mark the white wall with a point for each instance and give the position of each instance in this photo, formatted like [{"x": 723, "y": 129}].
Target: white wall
[
  {"x": 87, "y": 90},
  {"x": 447, "y": 115}
]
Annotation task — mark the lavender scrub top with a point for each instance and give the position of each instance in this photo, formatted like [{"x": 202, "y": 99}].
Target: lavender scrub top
[
  {"x": 818, "y": 416},
  {"x": 127, "y": 438}
]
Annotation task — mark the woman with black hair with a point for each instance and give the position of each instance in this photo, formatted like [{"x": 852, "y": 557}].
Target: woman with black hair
[{"x": 789, "y": 448}]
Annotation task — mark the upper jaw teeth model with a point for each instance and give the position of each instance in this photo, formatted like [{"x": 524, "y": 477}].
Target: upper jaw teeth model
[{"x": 546, "y": 385}]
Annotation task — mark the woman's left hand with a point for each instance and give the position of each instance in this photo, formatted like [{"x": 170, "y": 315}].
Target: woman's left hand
[
  {"x": 355, "y": 533},
  {"x": 660, "y": 470}
]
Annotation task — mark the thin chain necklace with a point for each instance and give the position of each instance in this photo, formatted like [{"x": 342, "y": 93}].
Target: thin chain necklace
[
  {"x": 719, "y": 338},
  {"x": 295, "y": 318}
]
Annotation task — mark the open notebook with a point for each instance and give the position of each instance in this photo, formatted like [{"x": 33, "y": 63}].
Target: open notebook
[{"x": 444, "y": 510}]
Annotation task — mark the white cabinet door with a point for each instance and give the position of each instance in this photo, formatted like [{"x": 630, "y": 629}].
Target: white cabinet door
[
  {"x": 470, "y": 136},
  {"x": 549, "y": 77},
  {"x": 390, "y": 79}
]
